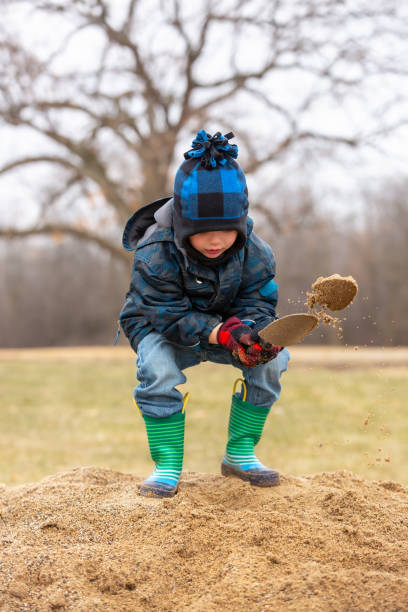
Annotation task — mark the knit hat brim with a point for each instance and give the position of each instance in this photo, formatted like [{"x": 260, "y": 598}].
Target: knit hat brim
[{"x": 184, "y": 228}]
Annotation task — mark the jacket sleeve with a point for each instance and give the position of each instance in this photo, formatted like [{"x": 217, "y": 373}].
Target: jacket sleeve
[
  {"x": 258, "y": 293},
  {"x": 157, "y": 296}
]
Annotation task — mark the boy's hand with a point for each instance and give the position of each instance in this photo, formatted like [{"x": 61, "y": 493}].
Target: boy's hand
[
  {"x": 233, "y": 333},
  {"x": 236, "y": 337},
  {"x": 246, "y": 346},
  {"x": 268, "y": 351}
]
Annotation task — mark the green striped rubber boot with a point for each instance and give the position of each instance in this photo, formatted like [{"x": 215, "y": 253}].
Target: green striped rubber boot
[
  {"x": 244, "y": 432},
  {"x": 166, "y": 443}
]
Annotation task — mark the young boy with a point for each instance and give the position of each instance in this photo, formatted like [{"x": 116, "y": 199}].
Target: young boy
[{"x": 202, "y": 286}]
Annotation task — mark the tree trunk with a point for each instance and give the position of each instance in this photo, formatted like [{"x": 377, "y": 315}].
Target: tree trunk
[{"x": 156, "y": 158}]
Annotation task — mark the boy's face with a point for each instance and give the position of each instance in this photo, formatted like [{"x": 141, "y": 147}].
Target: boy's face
[{"x": 213, "y": 244}]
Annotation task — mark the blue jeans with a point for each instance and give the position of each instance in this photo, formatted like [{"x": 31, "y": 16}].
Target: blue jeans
[{"x": 159, "y": 370}]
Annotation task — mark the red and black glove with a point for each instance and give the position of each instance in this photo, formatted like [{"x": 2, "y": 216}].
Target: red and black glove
[
  {"x": 268, "y": 351},
  {"x": 236, "y": 337}
]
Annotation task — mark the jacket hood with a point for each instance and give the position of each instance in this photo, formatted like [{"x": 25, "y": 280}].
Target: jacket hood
[{"x": 140, "y": 222}]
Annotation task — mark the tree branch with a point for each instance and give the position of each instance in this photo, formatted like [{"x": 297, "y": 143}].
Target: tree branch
[
  {"x": 92, "y": 165},
  {"x": 255, "y": 163},
  {"x": 60, "y": 228}
]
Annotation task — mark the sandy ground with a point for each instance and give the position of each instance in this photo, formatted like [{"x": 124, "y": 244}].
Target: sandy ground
[{"x": 85, "y": 541}]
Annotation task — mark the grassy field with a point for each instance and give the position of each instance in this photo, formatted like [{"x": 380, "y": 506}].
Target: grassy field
[{"x": 339, "y": 409}]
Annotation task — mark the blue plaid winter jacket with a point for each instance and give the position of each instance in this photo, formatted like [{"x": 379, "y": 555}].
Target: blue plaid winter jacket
[{"x": 184, "y": 300}]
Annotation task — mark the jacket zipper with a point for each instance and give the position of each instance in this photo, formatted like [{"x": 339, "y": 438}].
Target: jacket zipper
[{"x": 117, "y": 334}]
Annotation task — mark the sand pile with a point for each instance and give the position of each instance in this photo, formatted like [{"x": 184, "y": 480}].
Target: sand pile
[{"x": 86, "y": 541}]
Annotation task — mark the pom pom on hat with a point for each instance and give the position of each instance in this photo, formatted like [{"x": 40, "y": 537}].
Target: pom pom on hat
[{"x": 212, "y": 150}]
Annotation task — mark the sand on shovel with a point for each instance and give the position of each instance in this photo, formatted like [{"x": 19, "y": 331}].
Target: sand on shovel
[{"x": 334, "y": 292}]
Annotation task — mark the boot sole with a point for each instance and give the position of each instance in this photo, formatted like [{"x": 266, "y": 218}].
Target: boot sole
[
  {"x": 270, "y": 479},
  {"x": 148, "y": 491}
]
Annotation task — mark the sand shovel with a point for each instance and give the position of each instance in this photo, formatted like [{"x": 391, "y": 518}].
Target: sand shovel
[
  {"x": 334, "y": 292},
  {"x": 289, "y": 330}
]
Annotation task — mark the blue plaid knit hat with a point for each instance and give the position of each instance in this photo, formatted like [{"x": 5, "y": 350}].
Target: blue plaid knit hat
[{"x": 210, "y": 191}]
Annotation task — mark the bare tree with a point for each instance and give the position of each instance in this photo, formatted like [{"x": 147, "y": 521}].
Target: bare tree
[{"x": 158, "y": 70}]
